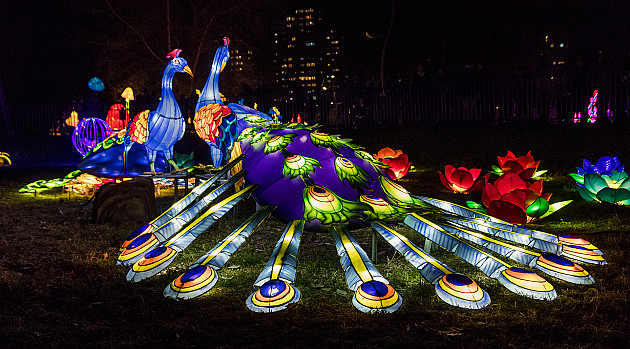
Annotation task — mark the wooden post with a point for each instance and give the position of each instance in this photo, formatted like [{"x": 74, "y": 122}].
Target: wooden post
[{"x": 374, "y": 247}]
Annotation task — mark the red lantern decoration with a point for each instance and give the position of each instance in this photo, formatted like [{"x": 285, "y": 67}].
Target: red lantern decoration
[
  {"x": 463, "y": 180},
  {"x": 523, "y": 166},
  {"x": 513, "y": 200},
  {"x": 114, "y": 116},
  {"x": 398, "y": 162}
]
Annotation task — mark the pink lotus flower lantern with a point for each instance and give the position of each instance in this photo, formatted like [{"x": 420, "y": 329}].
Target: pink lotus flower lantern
[
  {"x": 463, "y": 180},
  {"x": 523, "y": 166},
  {"x": 398, "y": 162}
]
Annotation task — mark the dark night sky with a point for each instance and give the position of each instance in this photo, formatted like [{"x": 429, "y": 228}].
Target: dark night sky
[{"x": 47, "y": 55}]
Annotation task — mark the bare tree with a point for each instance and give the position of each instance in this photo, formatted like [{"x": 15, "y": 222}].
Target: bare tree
[{"x": 133, "y": 54}]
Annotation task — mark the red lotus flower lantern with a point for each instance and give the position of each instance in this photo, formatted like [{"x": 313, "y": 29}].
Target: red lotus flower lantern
[
  {"x": 463, "y": 180},
  {"x": 513, "y": 200},
  {"x": 524, "y": 166},
  {"x": 398, "y": 162}
]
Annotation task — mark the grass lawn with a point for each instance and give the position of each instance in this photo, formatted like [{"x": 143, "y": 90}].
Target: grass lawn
[{"x": 60, "y": 286}]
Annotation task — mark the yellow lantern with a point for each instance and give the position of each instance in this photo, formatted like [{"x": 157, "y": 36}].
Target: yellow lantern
[{"x": 127, "y": 94}]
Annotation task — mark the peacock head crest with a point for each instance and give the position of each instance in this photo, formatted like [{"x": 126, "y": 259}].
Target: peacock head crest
[{"x": 179, "y": 63}]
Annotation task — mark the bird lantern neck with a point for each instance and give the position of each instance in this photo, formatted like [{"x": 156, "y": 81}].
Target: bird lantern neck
[
  {"x": 210, "y": 93},
  {"x": 168, "y": 104}
]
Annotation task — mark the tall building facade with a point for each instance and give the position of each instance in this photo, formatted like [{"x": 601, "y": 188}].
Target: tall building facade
[{"x": 307, "y": 59}]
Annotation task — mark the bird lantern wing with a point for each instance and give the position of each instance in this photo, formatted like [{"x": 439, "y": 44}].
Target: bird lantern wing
[{"x": 139, "y": 126}]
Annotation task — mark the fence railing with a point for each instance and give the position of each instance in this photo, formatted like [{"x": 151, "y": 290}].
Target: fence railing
[{"x": 549, "y": 100}]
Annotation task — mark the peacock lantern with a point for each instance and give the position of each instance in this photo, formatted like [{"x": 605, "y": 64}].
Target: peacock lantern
[
  {"x": 150, "y": 135},
  {"x": 313, "y": 181},
  {"x": 159, "y": 130},
  {"x": 218, "y": 124}
]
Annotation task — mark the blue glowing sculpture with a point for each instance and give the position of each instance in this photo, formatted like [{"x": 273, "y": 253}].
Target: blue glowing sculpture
[
  {"x": 88, "y": 133},
  {"x": 316, "y": 181},
  {"x": 159, "y": 130},
  {"x": 96, "y": 84}
]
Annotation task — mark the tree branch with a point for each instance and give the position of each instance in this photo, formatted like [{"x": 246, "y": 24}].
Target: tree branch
[{"x": 135, "y": 31}]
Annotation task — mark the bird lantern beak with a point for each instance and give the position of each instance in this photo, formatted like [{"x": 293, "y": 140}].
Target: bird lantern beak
[{"x": 187, "y": 70}]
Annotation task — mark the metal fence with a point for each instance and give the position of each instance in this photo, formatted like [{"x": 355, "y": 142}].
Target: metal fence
[{"x": 548, "y": 100}]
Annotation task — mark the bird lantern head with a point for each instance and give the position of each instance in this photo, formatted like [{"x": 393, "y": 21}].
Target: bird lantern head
[{"x": 179, "y": 63}]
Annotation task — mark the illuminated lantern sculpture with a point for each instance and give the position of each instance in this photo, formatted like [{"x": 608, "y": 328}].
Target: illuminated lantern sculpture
[
  {"x": 219, "y": 124},
  {"x": 605, "y": 165},
  {"x": 311, "y": 180},
  {"x": 161, "y": 129},
  {"x": 523, "y": 166},
  {"x": 398, "y": 164},
  {"x": 73, "y": 119},
  {"x": 463, "y": 180},
  {"x": 127, "y": 94},
  {"x": 510, "y": 198},
  {"x": 96, "y": 84},
  {"x": 88, "y": 133},
  {"x": 113, "y": 117},
  {"x": 604, "y": 181},
  {"x": 4, "y": 159},
  {"x": 613, "y": 187},
  {"x": 592, "y": 108}
]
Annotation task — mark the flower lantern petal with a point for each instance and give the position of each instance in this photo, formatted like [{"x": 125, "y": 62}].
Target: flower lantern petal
[
  {"x": 625, "y": 184},
  {"x": 516, "y": 197},
  {"x": 489, "y": 194},
  {"x": 527, "y": 161},
  {"x": 445, "y": 181},
  {"x": 537, "y": 187},
  {"x": 587, "y": 194},
  {"x": 613, "y": 195},
  {"x": 512, "y": 167},
  {"x": 448, "y": 171},
  {"x": 387, "y": 153},
  {"x": 475, "y": 172},
  {"x": 399, "y": 166},
  {"x": 594, "y": 182},
  {"x": 507, "y": 211},
  {"x": 530, "y": 197},
  {"x": 509, "y": 157},
  {"x": 462, "y": 181},
  {"x": 480, "y": 183},
  {"x": 618, "y": 177},
  {"x": 607, "y": 163},
  {"x": 509, "y": 182}
]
